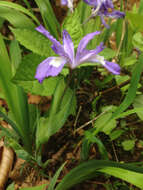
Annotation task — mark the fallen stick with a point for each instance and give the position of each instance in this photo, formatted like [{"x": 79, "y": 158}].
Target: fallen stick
[{"x": 6, "y": 162}]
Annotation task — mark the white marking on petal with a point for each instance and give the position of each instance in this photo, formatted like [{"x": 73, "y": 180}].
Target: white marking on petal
[
  {"x": 56, "y": 62},
  {"x": 101, "y": 59},
  {"x": 70, "y": 4},
  {"x": 95, "y": 11}
]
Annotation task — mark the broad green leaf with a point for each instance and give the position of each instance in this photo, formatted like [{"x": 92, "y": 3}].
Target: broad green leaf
[
  {"x": 73, "y": 26},
  {"x": 15, "y": 55},
  {"x": 18, "y": 7},
  {"x": 34, "y": 41},
  {"x": 138, "y": 103},
  {"x": 115, "y": 134},
  {"x": 49, "y": 17},
  {"x": 103, "y": 124},
  {"x": 16, "y": 18},
  {"x": 57, "y": 115},
  {"x": 135, "y": 21},
  {"x": 27, "y": 68},
  {"x": 108, "y": 53},
  {"x": 121, "y": 79},
  {"x": 87, "y": 170},
  {"x": 129, "y": 61},
  {"x": 128, "y": 144},
  {"x": 24, "y": 77},
  {"x": 138, "y": 41}
]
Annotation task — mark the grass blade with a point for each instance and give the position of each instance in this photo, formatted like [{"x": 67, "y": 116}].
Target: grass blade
[
  {"x": 49, "y": 17},
  {"x": 15, "y": 97},
  {"x": 87, "y": 170}
]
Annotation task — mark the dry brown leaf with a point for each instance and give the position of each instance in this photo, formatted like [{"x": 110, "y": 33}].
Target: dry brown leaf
[{"x": 6, "y": 162}]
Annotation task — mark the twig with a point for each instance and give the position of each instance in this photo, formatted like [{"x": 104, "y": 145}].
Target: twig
[
  {"x": 122, "y": 38},
  {"x": 76, "y": 119},
  {"x": 56, "y": 156},
  {"x": 89, "y": 122},
  {"x": 115, "y": 87},
  {"x": 116, "y": 157}
]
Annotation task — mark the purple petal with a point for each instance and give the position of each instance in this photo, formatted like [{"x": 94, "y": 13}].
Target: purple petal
[
  {"x": 91, "y": 2},
  {"x": 116, "y": 14},
  {"x": 57, "y": 47},
  {"x": 69, "y": 3},
  {"x": 68, "y": 46},
  {"x": 51, "y": 66},
  {"x": 87, "y": 55},
  {"x": 63, "y": 2},
  {"x": 112, "y": 67},
  {"x": 85, "y": 40},
  {"x": 103, "y": 21},
  {"x": 108, "y": 4}
]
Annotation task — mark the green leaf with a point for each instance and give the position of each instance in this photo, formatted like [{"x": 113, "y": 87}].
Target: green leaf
[
  {"x": 15, "y": 55},
  {"x": 128, "y": 144},
  {"x": 27, "y": 68},
  {"x": 132, "y": 89},
  {"x": 34, "y": 41},
  {"x": 138, "y": 41},
  {"x": 40, "y": 187},
  {"x": 18, "y": 7},
  {"x": 135, "y": 21},
  {"x": 129, "y": 176},
  {"x": 49, "y": 17},
  {"x": 87, "y": 170},
  {"x": 54, "y": 179},
  {"x": 91, "y": 138},
  {"x": 115, "y": 134},
  {"x": 57, "y": 115},
  {"x": 73, "y": 26},
  {"x": 84, "y": 11},
  {"x": 10, "y": 187},
  {"x": 24, "y": 77},
  {"x": 15, "y": 97},
  {"x": 138, "y": 103},
  {"x": 129, "y": 61},
  {"x": 103, "y": 124},
  {"x": 21, "y": 153},
  {"x": 108, "y": 53},
  {"x": 16, "y": 18}
]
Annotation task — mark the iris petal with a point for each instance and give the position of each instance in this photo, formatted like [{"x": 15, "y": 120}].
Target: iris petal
[
  {"x": 86, "y": 55},
  {"x": 68, "y": 45},
  {"x": 114, "y": 68},
  {"x": 85, "y": 40},
  {"x": 57, "y": 47},
  {"x": 51, "y": 66}
]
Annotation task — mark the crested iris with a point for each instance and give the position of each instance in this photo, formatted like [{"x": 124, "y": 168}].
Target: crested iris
[
  {"x": 69, "y": 3},
  {"x": 104, "y": 8},
  {"x": 52, "y": 66}
]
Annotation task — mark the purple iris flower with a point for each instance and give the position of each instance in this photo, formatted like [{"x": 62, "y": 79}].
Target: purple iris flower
[
  {"x": 102, "y": 7},
  {"x": 69, "y": 3},
  {"x": 52, "y": 66}
]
